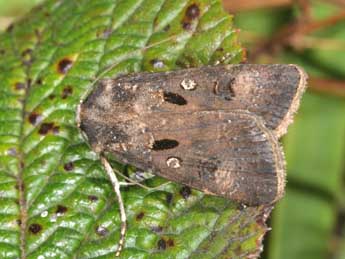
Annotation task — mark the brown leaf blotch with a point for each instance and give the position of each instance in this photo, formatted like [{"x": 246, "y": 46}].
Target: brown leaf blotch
[
  {"x": 67, "y": 91},
  {"x": 170, "y": 242},
  {"x": 19, "y": 222},
  {"x": 39, "y": 81},
  {"x": 64, "y": 65},
  {"x": 60, "y": 209},
  {"x": 101, "y": 231},
  {"x": 161, "y": 244},
  {"x": 92, "y": 198},
  {"x": 45, "y": 128},
  {"x": 185, "y": 192},
  {"x": 157, "y": 229},
  {"x": 193, "y": 11},
  {"x": 140, "y": 216},
  {"x": 186, "y": 26},
  {"x": 69, "y": 166},
  {"x": 169, "y": 198},
  {"x": 19, "y": 86},
  {"x": 35, "y": 228},
  {"x": 34, "y": 118},
  {"x": 166, "y": 28}
]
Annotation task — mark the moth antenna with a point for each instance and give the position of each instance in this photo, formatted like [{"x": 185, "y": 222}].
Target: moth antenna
[{"x": 116, "y": 186}]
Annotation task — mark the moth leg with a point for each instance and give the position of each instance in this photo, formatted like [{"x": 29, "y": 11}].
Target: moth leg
[{"x": 116, "y": 185}]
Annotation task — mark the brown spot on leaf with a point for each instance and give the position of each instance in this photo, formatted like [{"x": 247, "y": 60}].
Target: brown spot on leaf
[
  {"x": 161, "y": 244},
  {"x": 92, "y": 198},
  {"x": 67, "y": 91},
  {"x": 193, "y": 11},
  {"x": 2, "y": 52},
  {"x": 186, "y": 26},
  {"x": 39, "y": 81},
  {"x": 19, "y": 86},
  {"x": 60, "y": 209},
  {"x": 101, "y": 231},
  {"x": 166, "y": 28},
  {"x": 52, "y": 97},
  {"x": 140, "y": 216},
  {"x": 19, "y": 222},
  {"x": 69, "y": 166},
  {"x": 170, "y": 242},
  {"x": 45, "y": 128},
  {"x": 157, "y": 229},
  {"x": 169, "y": 198},
  {"x": 64, "y": 65},
  {"x": 34, "y": 118},
  {"x": 35, "y": 228},
  {"x": 185, "y": 192},
  {"x": 156, "y": 63},
  {"x": 48, "y": 127}
]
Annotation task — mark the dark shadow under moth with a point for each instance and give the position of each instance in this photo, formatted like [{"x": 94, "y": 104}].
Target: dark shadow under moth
[{"x": 215, "y": 129}]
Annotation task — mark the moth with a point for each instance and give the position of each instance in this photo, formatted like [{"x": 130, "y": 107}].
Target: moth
[{"x": 214, "y": 128}]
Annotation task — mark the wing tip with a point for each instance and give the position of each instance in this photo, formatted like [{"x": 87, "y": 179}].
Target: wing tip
[{"x": 302, "y": 85}]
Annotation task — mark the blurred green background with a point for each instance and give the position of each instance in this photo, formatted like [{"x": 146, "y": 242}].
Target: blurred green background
[{"x": 309, "y": 223}]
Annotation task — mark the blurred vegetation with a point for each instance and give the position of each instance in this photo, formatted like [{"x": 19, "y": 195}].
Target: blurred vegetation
[{"x": 309, "y": 223}]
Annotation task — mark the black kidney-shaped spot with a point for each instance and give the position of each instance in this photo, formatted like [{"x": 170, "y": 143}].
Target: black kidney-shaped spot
[
  {"x": 164, "y": 144},
  {"x": 185, "y": 192},
  {"x": 174, "y": 98},
  {"x": 64, "y": 65},
  {"x": 35, "y": 228}
]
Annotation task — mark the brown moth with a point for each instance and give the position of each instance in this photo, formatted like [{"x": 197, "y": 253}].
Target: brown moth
[{"x": 215, "y": 129}]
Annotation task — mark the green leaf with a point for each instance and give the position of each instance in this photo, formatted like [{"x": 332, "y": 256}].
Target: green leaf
[{"x": 55, "y": 198}]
